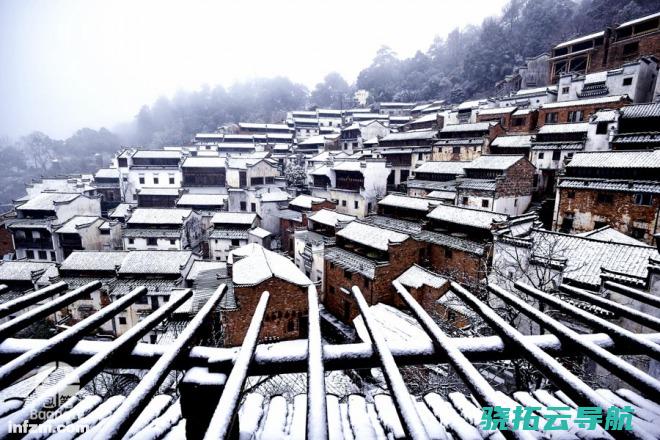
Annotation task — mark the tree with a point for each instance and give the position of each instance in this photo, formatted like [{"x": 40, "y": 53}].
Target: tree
[
  {"x": 331, "y": 92},
  {"x": 41, "y": 149},
  {"x": 295, "y": 175}
]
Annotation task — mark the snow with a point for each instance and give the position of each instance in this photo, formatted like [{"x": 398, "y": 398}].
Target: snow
[
  {"x": 305, "y": 201},
  {"x": 577, "y": 127},
  {"x": 46, "y": 201},
  {"x": 259, "y": 232},
  {"x": 274, "y": 196},
  {"x": 250, "y": 414},
  {"x": 161, "y": 425},
  {"x": 450, "y": 419},
  {"x": 616, "y": 159},
  {"x": 155, "y": 262},
  {"x": 416, "y": 277},
  {"x": 406, "y": 202},
  {"x": 536, "y": 90},
  {"x": 330, "y": 218},
  {"x": 583, "y": 102},
  {"x": 94, "y": 260},
  {"x": 258, "y": 264},
  {"x": 358, "y": 417},
  {"x": 202, "y": 200},
  {"x": 442, "y": 167},
  {"x": 464, "y": 216},
  {"x": 91, "y": 420},
  {"x": 377, "y": 238},
  {"x": 580, "y": 39},
  {"x": 158, "y": 154},
  {"x": 494, "y": 162},
  {"x": 477, "y": 126},
  {"x": 159, "y": 216},
  {"x": 387, "y": 416},
  {"x": 234, "y": 218},
  {"x": 275, "y": 426},
  {"x": 156, "y": 407},
  {"x": 335, "y": 429},
  {"x": 496, "y": 110},
  {"x": 516, "y": 141}
]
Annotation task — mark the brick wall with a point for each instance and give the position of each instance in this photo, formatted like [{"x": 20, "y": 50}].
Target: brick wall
[
  {"x": 587, "y": 110},
  {"x": 518, "y": 181},
  {"x": 287, "y": 228},
  {"x": 462, "y": 266},
  {"x": 528, "y": 126},
  {"x": 621, "y": 214},
  {"x": 6, "y": 242},
  {"x": 649, "y": 44},
  {"x": 287, "y": 307}
]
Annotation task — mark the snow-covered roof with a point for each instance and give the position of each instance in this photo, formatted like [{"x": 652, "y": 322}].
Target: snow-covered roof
[
  {"x": 204, "y": 162},
  {"x": 121, "y": 211},
  {"x": 46, "y": 201},
  {"x": 22, "y": 270},
  {"x": 157, "y": 154},
  {"x": 406, "y": 202},
  {"x": 372, "y": 236},
  {"x": 639, "y": 20},
  {"x": 71, "y": 226},
  {"x": 453, "y": 167},
  {"x": 155, "y": 262},
  {"x": 234, "y": 218},
  {"x": 468, "y": 104},
  {"x": 477, "y": 126},
  {"x": 199, "y": 266},
  {"x": 536, "y": 91},
  {"x": 410, "y": 135},
  {"x": 616, "y": 159},
  {"x": 347, "y": 165},
  {"x": 107, "y": 173},
  {"x": 494, "y": 162},
  {"x": 577, "y": 127},
  {"x": 158, "y": 191},
  {"x": 259, "y": 232},
  {"x": 607, "y": 233},
  {"x": 579, "y": 102},
  {"x": 475, "y": 218},
  {"x": 397, "y": 327},
  {"x": 155, "y": 216},
  {"x": 94, "y": 260},
  {"x": 252, "y": 264},
  {"x": 517, "y": 141},
  {"x": 202, "y": 200},
  {"x": 274, "y": 196},
  {"x": 416, "y": 277},
  {"x": 431, "y": 117},
  {"x": 330, "y": 218},
  {"x": 304, "y": 201},
  {"x": 314, "y": 140},
  {"x": 496, "y": 110},
  {"x": 580, "y": 39}
]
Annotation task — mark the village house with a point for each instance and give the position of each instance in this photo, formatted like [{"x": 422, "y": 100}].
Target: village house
[
  {"x": 148, "y": 168},
  {"x": 616, "y": 188},
  {"x": 263, "y": 129},
  {"x": 534, "y": 73},
  {"x": 404, "y": 151},
  {"x": 295, "y": 218},
  {"x": 199, "y": 172},
  {"x": 157, "y": 197},
  {"x": 36, "y": 220},
  {"x": 523, "y": 120},
  {"x": 498, "y": 183},
  {"x": 503, "y": 115},
  {"x": 354, "y": 185},
  {"x": 405, "y": 207},
  {"x": 607, "y": 49},
  {"x": 530, "y": 98},
  {"x": 353, "y": 136},
  {"x": 465, "y": 141},
  {"x": 162, "y": 229},
  {"x": 310, "y": 243},
  {"x": 430, "y": 121},
  {"x": 395, "y": 108},
  {"x": 251, "y": 271},
  {"x": 579, "y": 110},
  {"x": 638, "y": 127},
  {"x": 329, "y": 117},
  {"x": 88, "y": 233},
  {"x": 107, "y": 184},
  {"x": 464, "y": 113},
  {"x": 439, "y": 177},
  {"x": 635, "y": 79},
  {"x": 230, "y": 230},
  {"x": 512, "y": 144}
]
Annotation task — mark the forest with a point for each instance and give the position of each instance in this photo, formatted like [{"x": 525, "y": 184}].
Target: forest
[{"x": 464, "y": 64}]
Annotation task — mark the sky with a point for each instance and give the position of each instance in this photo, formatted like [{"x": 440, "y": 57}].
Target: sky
[{"x": 68, "y": 64}]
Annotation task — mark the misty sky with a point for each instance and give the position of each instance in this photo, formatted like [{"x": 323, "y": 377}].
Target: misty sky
[{"x": 70, "y": 64}]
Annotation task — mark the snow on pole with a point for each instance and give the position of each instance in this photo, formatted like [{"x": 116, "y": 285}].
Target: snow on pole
[
  {"x": 92, "y": 366},
  {"x": 23, "y": 301},
  {"x": 650, "y": 321},
  {"x": 644, "y": 346},
  {"x": 27, "y": 318},
  {"x": 137, "y": 400},
  {"x": 478, "y": 385},
  {"x": 317, "y": 414},
  {"x": 224, "y": 414},
  {"x": 629, "y": 373},
  {"x": 640, "y": 296},
  {"x": 405, "y": 405},
  {"x": 28, "y": 360},
  {"x": 3, "y": 287}
]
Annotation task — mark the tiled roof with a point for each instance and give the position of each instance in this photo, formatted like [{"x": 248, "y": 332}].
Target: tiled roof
[
  {"x": 536, "y": 91},
  {"x": 94, "y": 260},
  {"x": 157, "y": 154},
  {"x": 410, "y": 135},
  {"x": 199, "y": 266},
  {"x": 121, "y": 211},
  {"x": 452, "y": 242},
  {"x": 234, "y": 218},
  {"x": 578, "y": 127},
  {"x": 496, "y": 111},
  {"x": 519, "y": 141},
  {"x": 580, "y": 39},
  {"x": 395, "y": 224},
  {"x": 351, "y": 261},
  {"x": 229, "y": 234},
  {"x": 289, "y": 214},
  {"x": 330, "y": 218},
  {"x": 637, "y": 138},
  {"x": 22, "y": 270},
  {"x": 46, "y": 201},
  {"x": 204, "y": 162},
  {"x": 107, "y": 173},
  {"x": 258, "y": 264},
  {"x": 576, "y": 146},
  {"x": 156, "y": 216},
  {"x": 202, "y": 200},
  {"x": 477, "y": 126},
  {"x": 274, "y": 196},
  {"x": 304, "y": 201},
  {"x": 158, "y": 191},
  {"x": 449, "y": 185},
  {"x": 611, "y": 185},
  {"x": 405, "y": 202},
  {"x": 259, "y": 232},
  {"x": 464, "y": 216},
  {"x": 651, "y": 110},
  {"x": 460, "y": 141},
  {"x": 155, "y": 262},
  {"x": 371, "y": 236},
  {"x": 442, "y": 167},
  {"x": 416, "y": 277},
  {"x": 607, "y": 233},
  {"x": 578, "y": 102},
  {"x": 71, "y": 226},
  {"x": 616, "y": 159},
  {"x": 494, "y": 162},
  {"x": 151, "y": 233},
  {"x": 478, "y": 184}
]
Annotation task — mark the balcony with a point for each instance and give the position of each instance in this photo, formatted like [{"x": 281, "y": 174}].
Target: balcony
[{"x": 33, "y": 244}]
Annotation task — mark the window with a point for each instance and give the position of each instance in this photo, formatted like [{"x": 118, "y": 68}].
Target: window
[
  {"x": 331, "y": 289},
  {"x": 570, "y": 195},
  {"x": 171, "y": 179},
  {"x": 551, "y": 118},
  {"x": 556, "y": 155},
  {"x": 485, "y": 203},
  {"x": 449, "y": 253},
  {"x": 343, "y": 203},
  {"x": 172, "y": 241},
  {"x": 369, "y": 206},
  {"x": 631, "y": 48},
  {"x": 290, "y": 326},
  {"x": 347, "y": 274},
  {"x": 601, "y": 128},
  {"x": 122, "y": 320},
  {"x": 253, "y": 207},
  {"x": 235, "y": 242},
  {"x": 465, "y": 201},
  {"x": 152, "y": 241},
  {"x": 604, "y": 198},
  {"x": 243, "y": 206},
  {"x": 456, "y": 150},
  {"x": 645, "y": 199},
  {"x": 141, "y": 179},
  {"x": 153, "y": 339},
  {"x": 104, "y": 231},
  {"x": 131, "y": 241},
  {"x": 356, "y": 204},
  {"x": 637, "y": 233},
  {"x": 567, "y": 223},
  {"x": 599, "y": 224},
  {"x": 29, "y": 255},
  {"x": 518, "y": 122},
  {"x": 43, "y": 255},
  {"x": 565, "y": 90},
  {"x": 541, "y": 155},
  {"x": 36, "y": 235},
  {"x": 156, "y": 179},
  {"x": 270, "y": 180},
  {"x": 575, "y": 116},
  {"x": 627, "y": 81}
]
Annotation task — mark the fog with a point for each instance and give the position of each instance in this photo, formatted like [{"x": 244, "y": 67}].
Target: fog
[{"x": 69, "y": 64}]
